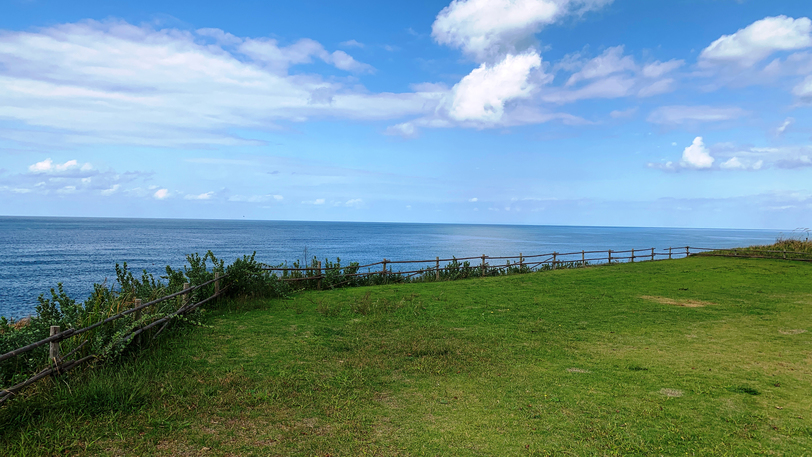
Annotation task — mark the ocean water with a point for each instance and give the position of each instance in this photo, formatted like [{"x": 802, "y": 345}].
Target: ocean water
[{"x": 37, "y": 253}]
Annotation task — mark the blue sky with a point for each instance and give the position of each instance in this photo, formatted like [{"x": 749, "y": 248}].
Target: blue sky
[{"x": 575, "y": 112}]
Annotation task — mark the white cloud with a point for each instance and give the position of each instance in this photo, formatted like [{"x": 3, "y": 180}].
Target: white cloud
[
  {"x": 679, "y": 114},
  {"x": 488, "y": 29},
  {"x": 696, "y": 155},
  {"x": 659, "y": 87},
  {"x": 113, "y": 82},
  {"x": 48, "y": 166},
  {"x": 318, "y": 201},
  {"x": 204, "y": 196},
  {"x": 657, "y": 69},
  {"x": 481, "y": 95},
  {"x": 161, "y": 194},
  {"x": 612, "y": 87},
  {"x": 804, "y": 89},
  {"x": 111, "y": 190},
  {"x": 255, "y": 198},
  {"x": 784, "y": 126},
  {"x": 733, "y": 163},
  {"x": 351, "y": 44},
  {"x": 473, "y": 199},
  {"x": 617, "y": 114},
  {"x": 354, "y": 203},
  {"x": 758, "y": 40},
  {"x": 611, "y": 61}
]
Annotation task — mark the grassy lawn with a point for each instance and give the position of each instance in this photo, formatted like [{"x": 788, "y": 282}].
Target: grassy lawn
[{"x": 702, "y": 356}]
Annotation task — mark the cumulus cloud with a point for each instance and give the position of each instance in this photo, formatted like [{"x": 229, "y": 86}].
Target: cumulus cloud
[
  {"x": 161, "y": 194},
  {"x": 732, "y": 157},
  {"x": 696, "y": 155},
  {"x": 489, "y": 29},
  {"x": 482, "y": 94},
  {"x": 113, "y": 82},
  {"x": 759, "y": 40},
  {"x": 473, "y": 199},
  {"x": 680, "y": 114}
]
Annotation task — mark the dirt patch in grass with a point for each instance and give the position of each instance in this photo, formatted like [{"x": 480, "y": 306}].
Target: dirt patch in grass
[
  {"x": 794, "y": 331},
  {"x": 672, "y": 392},
  {"x": 672, "y": 302}
]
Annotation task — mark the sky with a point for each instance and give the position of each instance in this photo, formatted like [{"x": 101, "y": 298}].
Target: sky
[{"x": 678, "y": 113}]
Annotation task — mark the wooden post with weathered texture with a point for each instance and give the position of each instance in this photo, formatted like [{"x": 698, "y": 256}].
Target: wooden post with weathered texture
[
  {"x": 216, "y": 283},
  {"x": 53, "y": 350},
  {"x": 186, "y": 295},
  {"x": 483, "y": 265},
  {"x": 652, "y": 253},
  {"x": 521, "y": 263},
  {"x": 137, "y": 316},
  {"x": 632, "y": 255},
  {"x": 610, "y": 256},
  {"x": 319, "y": 274},
  {"x": 669, "y": 253},
  {"x": 583, "y": 259},
  {"x": 383, "y": 272},
  {"x": 555, "y": 254},
  {"x": 437, "y": 270},
  {"x": 687, "y": 251}
]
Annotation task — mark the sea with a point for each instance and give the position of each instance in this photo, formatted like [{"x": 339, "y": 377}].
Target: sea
[{"x": 39, "y": 252}]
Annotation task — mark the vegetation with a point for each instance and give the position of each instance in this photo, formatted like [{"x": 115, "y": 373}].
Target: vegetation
[
  {"x": 701, "y": 356},
  {"x": 794, "y": 246}
]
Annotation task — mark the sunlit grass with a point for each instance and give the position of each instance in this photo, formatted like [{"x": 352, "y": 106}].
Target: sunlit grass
[{"x": 706, "y": 356}]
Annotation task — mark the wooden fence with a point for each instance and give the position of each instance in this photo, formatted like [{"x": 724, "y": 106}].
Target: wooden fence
[
  {"x": 60, "y": 364},
  {"x": 485, "y": 264},
  {"x": 432, "y": 270}
]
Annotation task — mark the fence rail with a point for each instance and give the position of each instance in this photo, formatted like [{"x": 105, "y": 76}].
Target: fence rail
[
  {"x": 434, "y": 267},
  {"x": 60, "y": 365}
]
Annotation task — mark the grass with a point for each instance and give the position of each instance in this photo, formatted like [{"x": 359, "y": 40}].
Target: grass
[{"x": 716, "y": 359}]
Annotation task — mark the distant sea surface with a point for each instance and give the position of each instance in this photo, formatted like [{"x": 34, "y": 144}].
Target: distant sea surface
[{"x": 37, "y": 253}]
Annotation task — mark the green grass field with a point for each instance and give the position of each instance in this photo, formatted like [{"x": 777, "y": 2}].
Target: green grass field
[{"x": 702, "y": 356}]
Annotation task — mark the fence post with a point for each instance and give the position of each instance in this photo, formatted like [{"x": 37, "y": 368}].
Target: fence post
[
  {"x": 53, "y": 352},
  {"x": 137, "y": 317},
  {"x": 521, "y": 263},
  {"x": 669, "y": 253},
  {"x": 583, "y": 259},
  {"x": 185, "y": 296},
  {"x": 610, "y": 256},
  {"x": 216, "y": 283},
  {"x": 632, "y": 255},
  {"x": 687, "y": 251},
  {"x": 555, "y": 256},
  {"x": 384, "y": 268},
  {"x": 483, "y": 265},
  {"x": 319, "y": 274},
  {"x": 437, "y": 270},
  {"x": 652, "y": 254}
]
